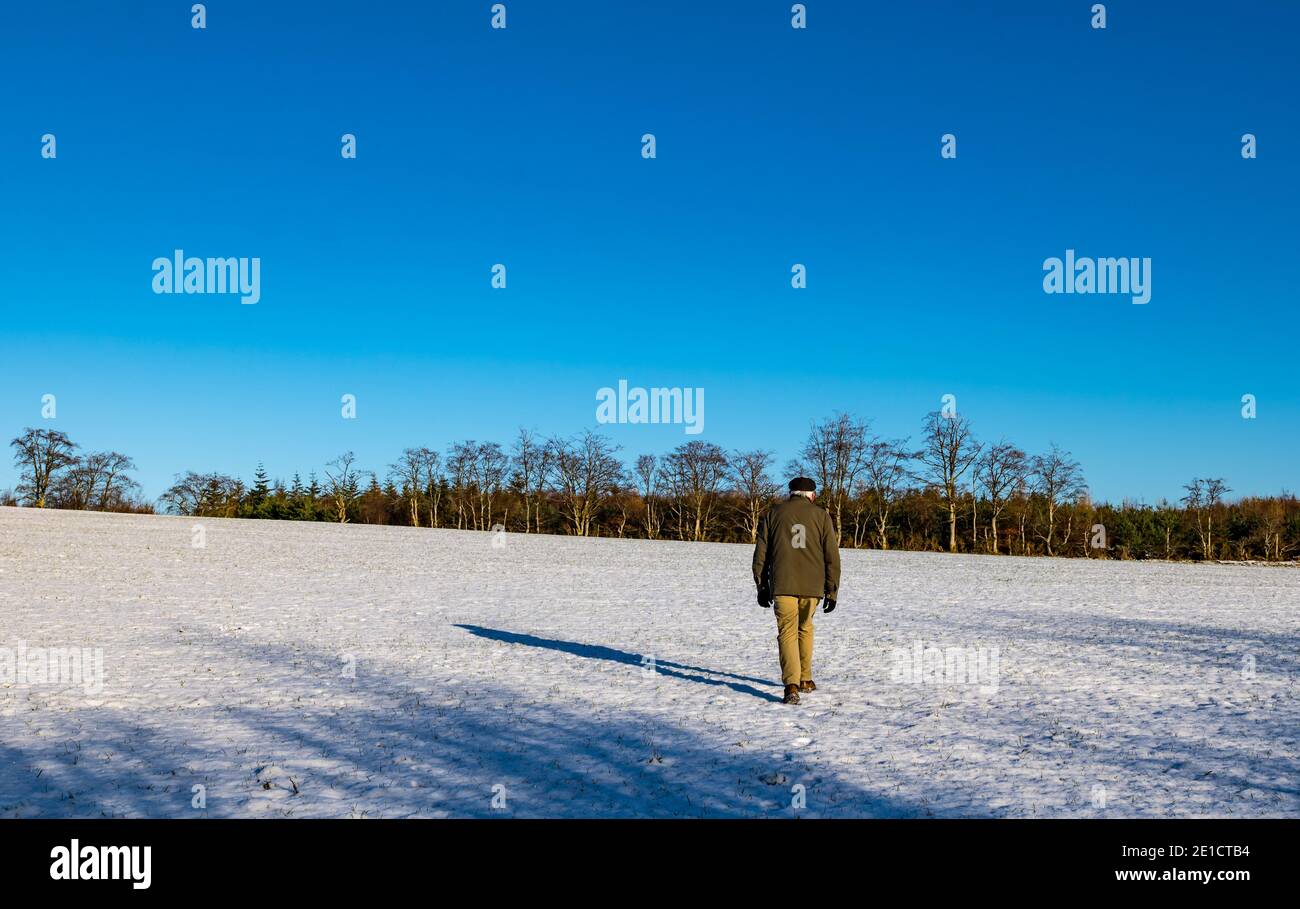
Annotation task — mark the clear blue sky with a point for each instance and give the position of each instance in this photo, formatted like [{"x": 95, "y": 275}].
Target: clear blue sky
[{"x": 775, "y": 146}]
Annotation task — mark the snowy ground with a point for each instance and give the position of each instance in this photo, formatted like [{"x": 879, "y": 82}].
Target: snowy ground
[{"x": 516, "y": 674}]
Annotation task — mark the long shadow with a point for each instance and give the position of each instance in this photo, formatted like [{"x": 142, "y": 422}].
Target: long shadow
[
  {"x": 601, "y": 652},
  {"x": 400, "y": 745},
  {"x": 126, "y": 769}
]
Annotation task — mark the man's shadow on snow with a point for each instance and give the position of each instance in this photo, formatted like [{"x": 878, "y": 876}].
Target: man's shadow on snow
[{"x": 600, "y": 652}]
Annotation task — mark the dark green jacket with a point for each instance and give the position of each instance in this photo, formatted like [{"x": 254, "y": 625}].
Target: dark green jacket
[{"x": 798, "y": 551}]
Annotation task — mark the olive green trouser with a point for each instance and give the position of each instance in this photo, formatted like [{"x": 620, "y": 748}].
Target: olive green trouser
[{"x": 794, "y": 637}]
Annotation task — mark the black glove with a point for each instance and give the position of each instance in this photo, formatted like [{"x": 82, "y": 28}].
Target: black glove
[
  {"x": 828, "y": 605},
  {"x": 765, "y": 598}
]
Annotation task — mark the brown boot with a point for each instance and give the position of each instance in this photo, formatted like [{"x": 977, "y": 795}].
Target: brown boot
[
  {"x": 809, "y": 685},
  {"x": 791, "y": 694}
]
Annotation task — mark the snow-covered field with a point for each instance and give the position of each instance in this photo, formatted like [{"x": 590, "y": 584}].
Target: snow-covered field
[{"x": 316, "y": 670}]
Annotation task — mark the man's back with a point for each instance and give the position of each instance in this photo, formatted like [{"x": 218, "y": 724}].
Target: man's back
[{"x": 798, "y": 551}]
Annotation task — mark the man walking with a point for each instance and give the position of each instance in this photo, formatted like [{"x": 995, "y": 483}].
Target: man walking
[{"x": 797, "y": 563}]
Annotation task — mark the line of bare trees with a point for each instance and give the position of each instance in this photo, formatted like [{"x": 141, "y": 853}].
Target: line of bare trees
[
  {"x": 947, "y": 491},
  {"x": 54, "y": 473}
]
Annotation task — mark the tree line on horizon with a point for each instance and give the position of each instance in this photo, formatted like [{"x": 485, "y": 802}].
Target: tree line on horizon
[{"x": 948, "y": 491}]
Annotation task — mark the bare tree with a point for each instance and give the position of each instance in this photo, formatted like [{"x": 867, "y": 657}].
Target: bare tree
[
  {"x": 755, "y": 486},
  {"x": 623, "y": 498},
  {"x": 408, "y": 473},
  {"x": 529, "y": 461},
  {"x": 204, "y": 494},
  {"x": 40, "y": 454},
  {"x": 834, "y": 456},
  {"x": 699, "y": 469},
  {"x": 1166, "y": 519},
  {"x": 96, "y": 479},
  {"x": 490, "y": 466},
  {"x": 1058, "y": 479},
  {"x": 672, "y": 484},
  {"x": 185, "y": 494},
  {"x": 477, "y": 472},
  {"x": 342, "y": 484},
  {"x": 1203, "y": 496},
  {"x": 583, "y": 470},
  {"x": 114, "y": 480},
  {"x": 460, "y": 475},
  {"x": 433, "y": 482},
  {"x": 77, "y": 485},
  {"x": 1000, "y": 472},
  {"x": 1273, "y": 518},
  {"x": 647, "y": 475},
  {"x": 949, "y": 449},
  {"x": 885, "y": 473}
]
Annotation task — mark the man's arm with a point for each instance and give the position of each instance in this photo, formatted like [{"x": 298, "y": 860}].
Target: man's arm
[
  {"x": 831, "y": 553},
  {"x": 760, "y": 552}
]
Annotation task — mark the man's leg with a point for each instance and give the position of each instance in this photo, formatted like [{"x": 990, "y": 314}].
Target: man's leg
[
  {"x": 787, "y": 637},
  {"x": 807, "y": 609}
]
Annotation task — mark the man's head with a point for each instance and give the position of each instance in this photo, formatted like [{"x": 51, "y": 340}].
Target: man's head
[{"x": 802, "y": 486}]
